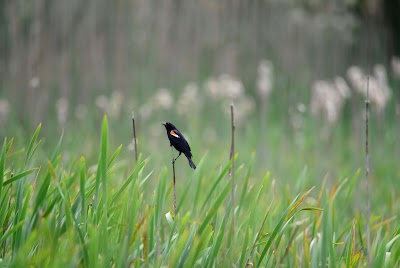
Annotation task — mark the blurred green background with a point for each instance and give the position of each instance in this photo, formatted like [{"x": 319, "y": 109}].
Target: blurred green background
[
  {"x": 286, "y": 65},
  {"x": 297, "y": 73}
]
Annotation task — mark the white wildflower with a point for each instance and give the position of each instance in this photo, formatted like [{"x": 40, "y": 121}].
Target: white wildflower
[
  {"x": 379, "y": 91},
  {"x": 4, "y": 110},
  {"x": 115, "y": 103},
  {"x": 342, "y": 87},
  {"x": 381, "y": 77},
  {"x": 396, "y": 66},
  {"x": 225, "y": 86},
  {"x": 230, "y": 86},
  {"x": 301, "y": 107},
  {"x": 102, "y": 102},
  {"x": 34, "y": 82},
  {"x": 243, "y": 107},
  {"x": 327, "y": 99},
  {"x": 212, "y": 88},
  {"x": 356, "y": 77},
  {"x": 189, "y": 99},
  {"x": 264, "y": 81},
  {"x": 163, "y": 99},
  {"x": 145, "y": 111},
  {"x": 62, "y": 107}
]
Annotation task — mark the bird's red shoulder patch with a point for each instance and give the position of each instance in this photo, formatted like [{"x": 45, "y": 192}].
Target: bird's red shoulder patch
[{"x": 173, "y": 133}]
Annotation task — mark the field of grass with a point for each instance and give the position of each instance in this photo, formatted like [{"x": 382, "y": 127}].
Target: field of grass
[
  {"x": 72, "y": 192},
  {"x": 105, "y": 209}
]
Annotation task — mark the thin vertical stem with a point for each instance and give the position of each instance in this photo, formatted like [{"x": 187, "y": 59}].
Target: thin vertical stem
[
  {"x": 367, "y": 168},
  {"x": 232, "y": 169},
  {"x": 134, "y": 136},
  {"x": 173, "y": 171}
]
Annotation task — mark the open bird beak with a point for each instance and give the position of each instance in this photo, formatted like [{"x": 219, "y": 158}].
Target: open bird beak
[{"x": 164, "y": 123}]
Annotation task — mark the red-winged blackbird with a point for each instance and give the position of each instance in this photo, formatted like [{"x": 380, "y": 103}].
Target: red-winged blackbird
[{"x": 179, "y": 142}]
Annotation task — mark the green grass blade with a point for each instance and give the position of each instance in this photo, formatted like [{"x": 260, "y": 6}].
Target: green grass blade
[
  {"x": 20, "y": 176},
  {"x": 103, "y": 154},
  {"x": 82, "y": 181},
  {"x": 353, "y": 183},
  {"x": 160, "y": 197},
  {"x": 2, "y": 164},
  {"x": 57, "y": 149},
  {"x": 103, "y": 175},
  {"x": 216, "y": 183},
  {"x": 183, "y": 196},
  {"x": 215, "y": 206},
  {"x": 69, "y": 219},
  {"x": 32, "y": 148},
  {"x": 9, "y": 145},
  {"x": 260, "y": 229},
  {"x": 218, "y": 241},
  {"x": 244, "y": 248},
  {"x": 284, "y": 217},
  {"x": 186, "y": 249},
  {"x": 132, "y": 176},
  {"x": 245, "y": 184},
  {"x": 83, "y": 245},
  {"x": 390, "y": 244},
  {"x": 380, "y": 254},
  {"x": 115, "y": 154},
  {"x": 21, "y": 204},
  {"x": 42, "y": 193},
  {"x": 199, "y": 178},
  {"x": 10, "y": 231}
]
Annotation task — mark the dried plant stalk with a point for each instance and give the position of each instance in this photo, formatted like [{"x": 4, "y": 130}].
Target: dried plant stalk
[
  {"x": 367, "y": 169},
  {"x": 232, "y": 169},
  {"x": 134, "y": 136},
  {"x": 174, "y": 176}
]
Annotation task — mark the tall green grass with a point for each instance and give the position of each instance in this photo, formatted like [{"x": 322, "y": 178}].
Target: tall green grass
[{"x": 116, "y": 213}]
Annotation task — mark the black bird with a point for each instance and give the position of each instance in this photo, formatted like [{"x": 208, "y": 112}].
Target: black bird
[{"x": 179, "y": 142}]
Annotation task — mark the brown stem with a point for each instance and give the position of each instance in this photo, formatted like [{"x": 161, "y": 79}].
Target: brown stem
[
  {"x": 291, "y": 239},
  {"x": 173, "y": 171},
  {"x": 367, "y": 167},
  {"x": 232, "y": 169},
  {"x": 134, "y": 137}
]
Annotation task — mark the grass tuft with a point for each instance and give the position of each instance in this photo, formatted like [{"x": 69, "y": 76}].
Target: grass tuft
[{"x": 77, "y": 211}]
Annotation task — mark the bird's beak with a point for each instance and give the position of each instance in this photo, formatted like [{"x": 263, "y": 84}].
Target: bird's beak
[{"x": 164, "y": 123}]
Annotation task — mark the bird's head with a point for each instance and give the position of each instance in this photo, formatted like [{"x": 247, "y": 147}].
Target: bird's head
[{"x": 168, "y": 126}]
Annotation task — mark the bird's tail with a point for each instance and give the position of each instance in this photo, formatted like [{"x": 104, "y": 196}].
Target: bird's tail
[{"x": 191, "y": 164}]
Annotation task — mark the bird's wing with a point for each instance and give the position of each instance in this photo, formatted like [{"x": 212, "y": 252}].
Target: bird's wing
[
  {"x": 182, "y": 142},
  {"x": 175, "y": 133}
]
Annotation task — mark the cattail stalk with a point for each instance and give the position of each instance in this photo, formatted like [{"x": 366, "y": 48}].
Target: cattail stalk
[
  {"x": 134, "y": 136},
  {"x": 232, "y": 169},
  {"x": 367, "y": 169},
  {"x": 173, "y": 172}
]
